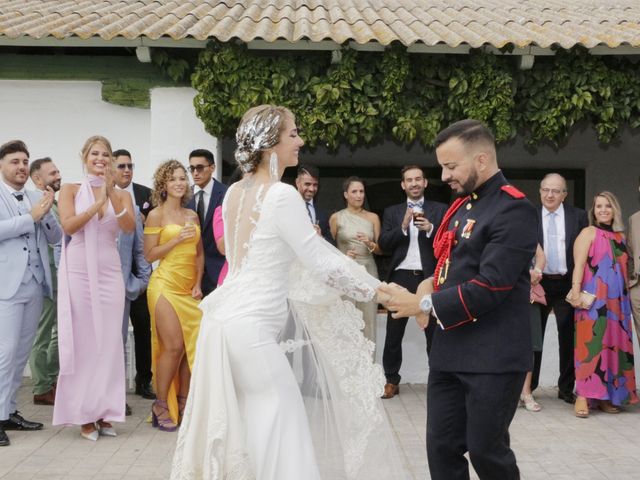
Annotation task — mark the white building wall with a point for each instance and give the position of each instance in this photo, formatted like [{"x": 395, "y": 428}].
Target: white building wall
[{"x": 54, "y": 118}]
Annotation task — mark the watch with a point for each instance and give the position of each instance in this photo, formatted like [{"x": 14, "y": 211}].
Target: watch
[{"x": 425, "y": 304}]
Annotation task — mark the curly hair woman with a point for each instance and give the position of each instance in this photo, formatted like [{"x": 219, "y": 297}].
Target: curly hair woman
[{"x": 172, "y": 236}]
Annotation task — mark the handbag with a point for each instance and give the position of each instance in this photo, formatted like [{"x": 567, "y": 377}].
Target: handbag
[
  {"x": 585, "y": 300},
  {"x": 537, "y": 294}
]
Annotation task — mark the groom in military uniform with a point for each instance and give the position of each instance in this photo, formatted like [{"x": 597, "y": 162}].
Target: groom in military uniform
[{"x": 479, "y": 298}]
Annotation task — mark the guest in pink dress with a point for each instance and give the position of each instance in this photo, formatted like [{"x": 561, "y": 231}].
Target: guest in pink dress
[
  {"x": 218, "y": 236},
  {"x": 91, "y": 385}
]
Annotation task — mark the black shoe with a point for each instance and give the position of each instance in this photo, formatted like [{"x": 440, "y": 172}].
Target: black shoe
[
  {"x": 568, "y": 397},
  {"x": 17, "y": 422},
  {"x": 127, "y": 410},
  {"x": 4, "y": 439},
  {"x": 145, "y": 391}
]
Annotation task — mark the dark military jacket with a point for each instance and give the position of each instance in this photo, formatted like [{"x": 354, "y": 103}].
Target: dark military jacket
[{"x": 483, "y": 305}]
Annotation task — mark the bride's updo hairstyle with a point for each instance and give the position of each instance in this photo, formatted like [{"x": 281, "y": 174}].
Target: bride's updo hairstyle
[{"x": 259, "y": 130}]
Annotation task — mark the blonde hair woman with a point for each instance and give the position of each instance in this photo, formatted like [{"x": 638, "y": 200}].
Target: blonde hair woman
[
  {"x": 91, "y": 388},
  {"x": 603, "y": 354}
]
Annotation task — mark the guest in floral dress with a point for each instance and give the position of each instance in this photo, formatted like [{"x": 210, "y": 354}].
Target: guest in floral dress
[{"x": 603, "y": 341}]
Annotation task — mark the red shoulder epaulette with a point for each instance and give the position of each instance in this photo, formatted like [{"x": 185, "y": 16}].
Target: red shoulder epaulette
[{"x": 513, "y": 191}]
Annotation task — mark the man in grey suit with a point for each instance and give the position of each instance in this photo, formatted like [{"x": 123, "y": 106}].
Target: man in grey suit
[
  {"x": 27, "y": 227},
  {"x": 135, "y": 271}
]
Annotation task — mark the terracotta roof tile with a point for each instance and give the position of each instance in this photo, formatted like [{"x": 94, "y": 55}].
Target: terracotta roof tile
[{"x": 429, "y": 22}]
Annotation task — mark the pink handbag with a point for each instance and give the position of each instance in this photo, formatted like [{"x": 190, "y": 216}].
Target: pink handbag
[{"x": 538, "y": 295}]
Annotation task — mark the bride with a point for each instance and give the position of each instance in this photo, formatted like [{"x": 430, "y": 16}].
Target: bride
[{"x": 283, "y": 386}]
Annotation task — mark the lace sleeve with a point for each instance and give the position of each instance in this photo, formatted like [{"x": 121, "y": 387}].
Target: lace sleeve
[{"x": 315, "y": 253}]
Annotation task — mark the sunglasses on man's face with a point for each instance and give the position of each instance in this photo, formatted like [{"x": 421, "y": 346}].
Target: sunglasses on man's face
[
  {"x": 197, "y": 168},
  {"x": 122, "y": 166}
]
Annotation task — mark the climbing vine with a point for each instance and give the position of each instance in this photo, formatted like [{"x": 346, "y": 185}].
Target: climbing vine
[{"x": 367, "y": 97}]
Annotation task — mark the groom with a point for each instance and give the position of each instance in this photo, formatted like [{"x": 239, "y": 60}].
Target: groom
[{"x": 482, "y": 344}]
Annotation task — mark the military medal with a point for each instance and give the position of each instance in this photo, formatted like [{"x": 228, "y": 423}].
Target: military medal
[{"x": 468, "y": 228}]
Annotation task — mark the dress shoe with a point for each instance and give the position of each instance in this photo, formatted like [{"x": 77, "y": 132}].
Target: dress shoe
[
  {"x": 145, "y": 391},
  {"x": 4, "y": 439},
  {"x": 568, "y": 397},
  {"x": 106, "y": 429},
  {"x": 390, "y": 390},
  {"x": 127, "y": 410},
  {"x": 46, "y": 398},
  {"x": 91, "y": 435},
  {"x": 17, "y": 422}
]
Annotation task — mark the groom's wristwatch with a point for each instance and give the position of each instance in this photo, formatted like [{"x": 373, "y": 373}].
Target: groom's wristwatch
[{"x": 426, "y": 305}]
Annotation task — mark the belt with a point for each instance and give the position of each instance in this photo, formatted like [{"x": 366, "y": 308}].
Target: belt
[
  {"x": 414, "y": 272},
  {"x": 554, "y": 276}
]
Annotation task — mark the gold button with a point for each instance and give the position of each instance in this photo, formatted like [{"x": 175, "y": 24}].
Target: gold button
[
  {"x": 456, "y": 223},
  {"x": 468, "y": 206},
  {"x": 474, "y": 196}
]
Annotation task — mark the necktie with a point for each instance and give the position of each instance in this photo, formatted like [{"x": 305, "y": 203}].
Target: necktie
[
  {"x": 415, "y": 204},
  {"x": 200, "y": 206},
  {"x": 310, "y": 212},
  {"x": 553, "y": 259}
]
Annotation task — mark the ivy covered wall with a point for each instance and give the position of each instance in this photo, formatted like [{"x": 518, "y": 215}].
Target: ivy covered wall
[{"x": 367, "y": 97}]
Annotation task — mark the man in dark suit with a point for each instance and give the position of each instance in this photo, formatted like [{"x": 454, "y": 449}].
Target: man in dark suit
[
  {"x": 307, "y": 184},
  {"x": 208, "y": 194},
  {"x": 139, "y": 308},
  {"x": 558, "y": 227},
  {"x": 479, "y": 298},
  {"x": 409, "y": 240}
]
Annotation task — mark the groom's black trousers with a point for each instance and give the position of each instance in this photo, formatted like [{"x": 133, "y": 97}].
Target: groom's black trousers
[{"x": 471, "y": 412}]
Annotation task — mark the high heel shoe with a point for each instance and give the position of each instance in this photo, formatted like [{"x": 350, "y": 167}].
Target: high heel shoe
[
  {"x": 106, "y": 429},
  {"x": 607, "y": 407},
  {"x": 529, "y": 403},
  {"x": 581, "y": 408},
  {"x": 182, "y": 403},
  {"x": 92, "y": 435},
  {"x": 162, "y": 421}
]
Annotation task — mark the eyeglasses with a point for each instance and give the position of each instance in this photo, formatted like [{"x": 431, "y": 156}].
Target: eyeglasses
[
  {"x": 122, "y": 166},
  {"x": 197, "y": 168},
  {"x": 553, "y": 191}
]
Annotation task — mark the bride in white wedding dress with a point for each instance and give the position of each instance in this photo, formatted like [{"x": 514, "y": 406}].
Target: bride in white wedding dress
[{"x": 283, "y": 386}]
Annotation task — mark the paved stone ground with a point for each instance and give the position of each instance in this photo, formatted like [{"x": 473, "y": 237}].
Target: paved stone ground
[{"x": 551, "y": 444}]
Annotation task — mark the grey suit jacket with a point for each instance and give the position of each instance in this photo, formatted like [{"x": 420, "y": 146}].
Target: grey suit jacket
[
  {"x": 130, "y": 247},
  {"x": 13, "y": 246},
  {"x": 633, "y": 247}
]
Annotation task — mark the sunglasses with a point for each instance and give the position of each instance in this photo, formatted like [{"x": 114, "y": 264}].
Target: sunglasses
[
  {"x": 197, "y": 168},
  {"x": 122, "y": 166}
]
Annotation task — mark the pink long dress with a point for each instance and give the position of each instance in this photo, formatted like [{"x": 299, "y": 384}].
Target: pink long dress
[{"x": 91, "y": 384}]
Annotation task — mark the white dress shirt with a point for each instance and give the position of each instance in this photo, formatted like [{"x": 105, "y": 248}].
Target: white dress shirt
[
  {"x": 129, "y": 188},
  {"x": 412, "y": 261},
  {"x": 561, "y": 245},
  {"x": 208, "y": 188},
  {"x": 12, "y": 192}
]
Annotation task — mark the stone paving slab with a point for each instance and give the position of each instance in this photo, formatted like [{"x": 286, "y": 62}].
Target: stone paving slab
[{"x": 551, "y": 444}]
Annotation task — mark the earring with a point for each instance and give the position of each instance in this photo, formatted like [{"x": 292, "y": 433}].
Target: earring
[{"x": 273, "y": 167}]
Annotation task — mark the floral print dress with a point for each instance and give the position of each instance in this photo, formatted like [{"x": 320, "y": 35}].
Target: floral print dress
[{"x": 603, "y": 353}]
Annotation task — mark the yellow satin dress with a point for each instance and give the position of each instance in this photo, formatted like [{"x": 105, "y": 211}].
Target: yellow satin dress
[{"x": 173, "y": 279}]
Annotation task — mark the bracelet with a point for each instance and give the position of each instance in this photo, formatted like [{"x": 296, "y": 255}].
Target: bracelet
[{"x": 122, "y": 212}]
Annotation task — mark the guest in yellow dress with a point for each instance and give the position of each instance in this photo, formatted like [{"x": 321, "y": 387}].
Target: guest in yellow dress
[{"x": 172, "y": 236}]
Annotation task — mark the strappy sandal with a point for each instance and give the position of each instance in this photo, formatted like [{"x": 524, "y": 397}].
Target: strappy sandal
[
  {"x": 182, "y": 403},
  {"x": 581, "y": 408},
  {"x": 607, "y": 407},
  {"x": 162, "y": 420},
  {"x": 529, "y": 403}
]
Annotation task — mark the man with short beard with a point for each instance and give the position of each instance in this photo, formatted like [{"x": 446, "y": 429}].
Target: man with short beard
[
  {"x": 43, "y": 361},
  {"x": 409, "y": 241},
  {"x": 479, "y": 299},
  {"x": 27, "y": 227}
]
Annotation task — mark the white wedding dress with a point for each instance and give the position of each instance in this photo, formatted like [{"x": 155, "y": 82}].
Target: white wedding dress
[{"x": 283, "y": 386}]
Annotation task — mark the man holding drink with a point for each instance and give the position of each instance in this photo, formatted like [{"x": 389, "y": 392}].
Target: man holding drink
[{"x": 407, "y": 234}]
